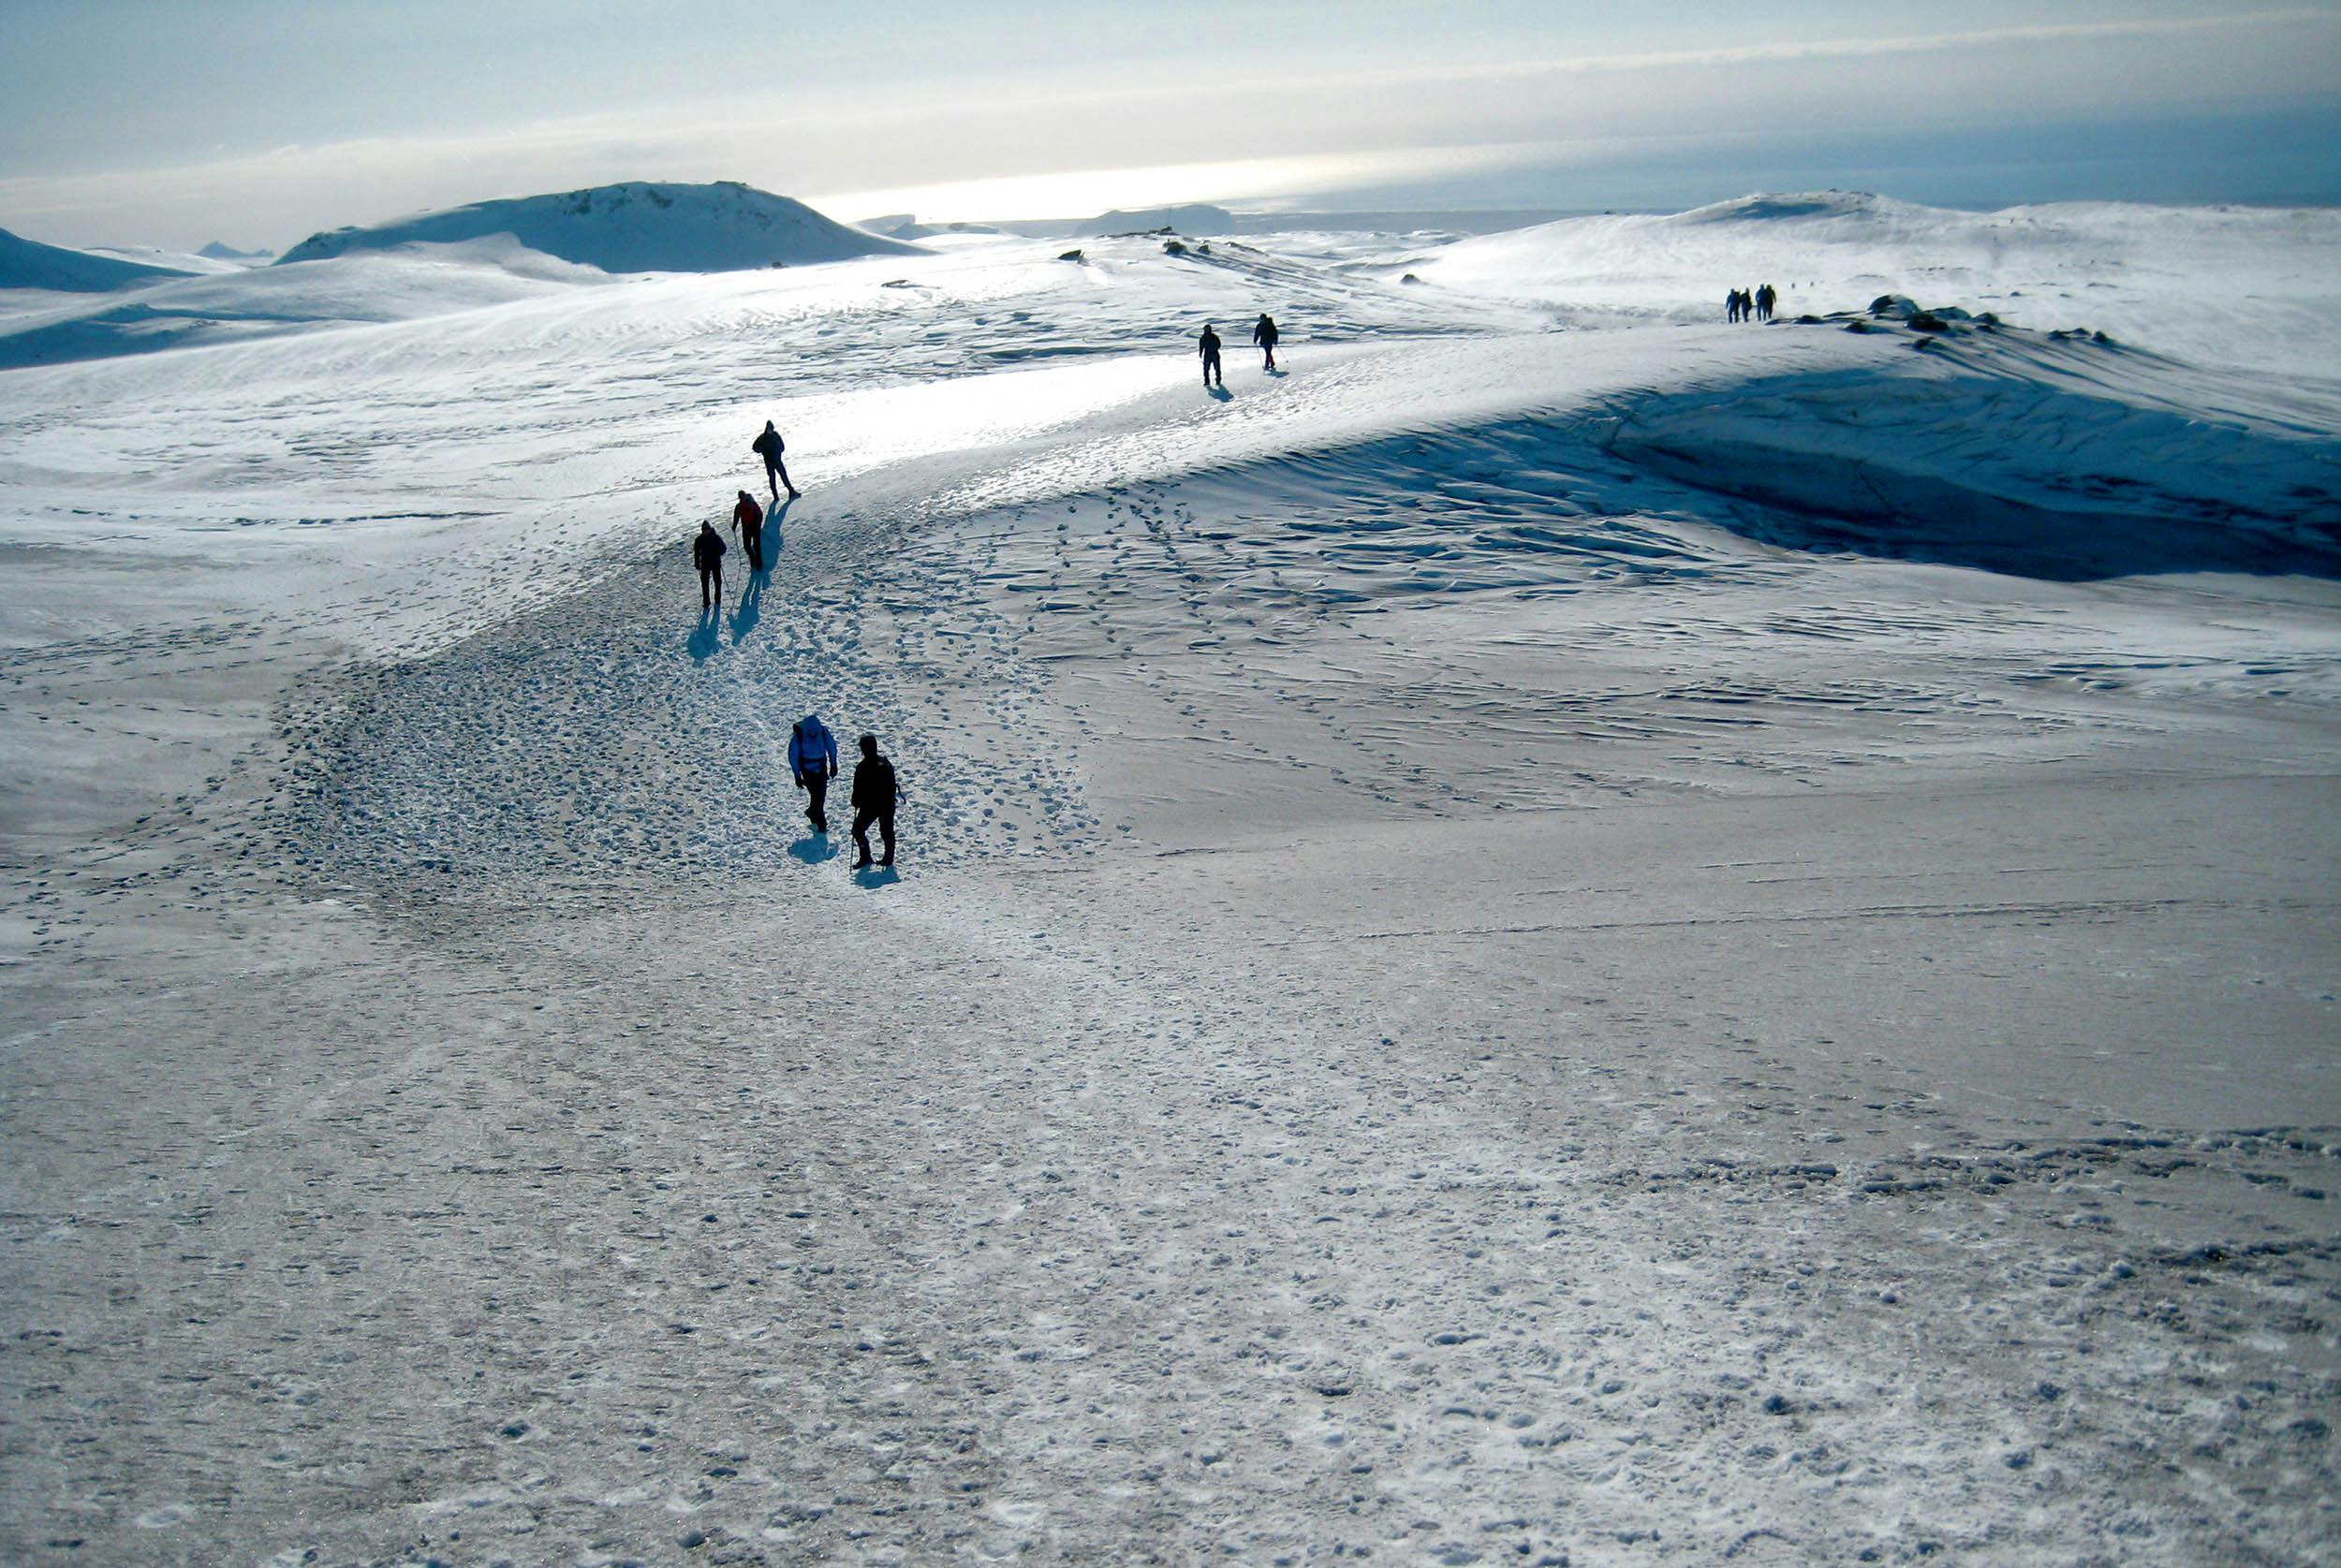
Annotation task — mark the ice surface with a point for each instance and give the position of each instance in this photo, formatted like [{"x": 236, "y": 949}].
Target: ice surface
[{"x": 1650, "y": 942}]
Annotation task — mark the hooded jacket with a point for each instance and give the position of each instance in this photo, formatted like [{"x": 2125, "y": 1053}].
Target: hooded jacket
[{"x": 812, "y": 750}]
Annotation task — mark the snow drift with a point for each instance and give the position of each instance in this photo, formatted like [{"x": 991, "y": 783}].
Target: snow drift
[
  {"x": 632, "y": 228},
  {"x": 29, "y": 264}
]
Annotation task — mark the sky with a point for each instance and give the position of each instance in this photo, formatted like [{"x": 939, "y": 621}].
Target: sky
[{"x": 257, "y": 121}]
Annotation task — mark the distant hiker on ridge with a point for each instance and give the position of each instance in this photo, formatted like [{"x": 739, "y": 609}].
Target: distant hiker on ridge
[
  {"x": 1264, "y": 334},
  {"x": 769, "y": 446},
  {"x": 747, "y": 521},
  {"x": 813, "y": 762},
  {"x": 874, "y": 797},
  {"x": 1208, "y": 347},
  {"x": 706, "y": 554}
]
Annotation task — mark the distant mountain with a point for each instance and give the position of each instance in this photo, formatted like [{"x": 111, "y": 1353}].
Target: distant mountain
[
  {"x": 1194, "y": 218},
  {"x": 29, "y": 264},
  {"x": 217, "y": 252},
  {"x": 904, "y": 226},
  {"x": 633, "y": 228}
]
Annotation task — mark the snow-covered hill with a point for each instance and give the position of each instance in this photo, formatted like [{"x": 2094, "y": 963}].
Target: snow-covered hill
[
  {"x": 632, "y": 228},
  {"x": 29, "y": 264}
]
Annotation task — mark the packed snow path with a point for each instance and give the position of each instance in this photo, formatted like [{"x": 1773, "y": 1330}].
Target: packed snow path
[{"x": 1491, "y": 964}]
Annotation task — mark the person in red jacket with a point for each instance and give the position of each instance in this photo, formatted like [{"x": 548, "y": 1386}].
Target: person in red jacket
[{"x": 747, "y": 521}]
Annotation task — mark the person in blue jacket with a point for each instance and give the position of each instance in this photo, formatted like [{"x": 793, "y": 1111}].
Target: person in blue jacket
[{"x": 813, "y": 762}]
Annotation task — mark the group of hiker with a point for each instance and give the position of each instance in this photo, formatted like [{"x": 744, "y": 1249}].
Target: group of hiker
[
  {"x": 1263, "y": 335},
  {"x": 1740, "y": 305},
  {"x": 747, "y": 522},
  {"x": 812, "y": 750}
]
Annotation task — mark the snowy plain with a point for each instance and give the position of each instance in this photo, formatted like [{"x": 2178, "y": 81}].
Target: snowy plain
[{"x": 1566, "y": 933}]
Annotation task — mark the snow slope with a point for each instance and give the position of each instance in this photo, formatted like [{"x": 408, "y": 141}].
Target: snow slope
[
  {"x": 1666, "y": 944},
  {"x": 29, "y": 264},
  {"x": 631, "y": 228}
]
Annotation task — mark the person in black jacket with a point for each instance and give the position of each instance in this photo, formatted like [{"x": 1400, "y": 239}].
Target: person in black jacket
[
  {"x": 1264, "y": 334},
  {"x": 873, "y": 797},
  {"x": 706, "y": 554},
  {"x": 1208, "y": 347},
  {"x": 769, "y": 446}
]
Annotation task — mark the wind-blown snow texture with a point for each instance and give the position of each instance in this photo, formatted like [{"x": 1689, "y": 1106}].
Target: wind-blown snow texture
[
  {"x": 631, "y": 228},
  {"x": 1562, "y": 936}
]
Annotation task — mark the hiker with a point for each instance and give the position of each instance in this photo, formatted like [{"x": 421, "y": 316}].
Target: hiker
[
  {"x": 747, "y": 521},
  {"x": 1732, "y": 306},
  {"x": 873, "y": 797},
  {"x": 706, "y": 554},
  {"x": 1747, "y": 307},
  {"x": 813, "y": 762},
  {"x": 1264, "y": 334},
  {"x": 1766, "y": 298},
  {"x": 1208, "y": 347},
  {"x": 769, "y": 446}
]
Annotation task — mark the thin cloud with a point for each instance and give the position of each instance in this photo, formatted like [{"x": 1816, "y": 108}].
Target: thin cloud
[{"x": 1829, "y": 49}]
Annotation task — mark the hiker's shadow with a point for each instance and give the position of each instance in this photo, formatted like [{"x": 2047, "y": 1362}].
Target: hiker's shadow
[
  {"x": 876, "y": 876},
  {"x": 704, "y": 638},
  {"x": 1276, "y": 373},
  {"x": 814, "y": 848},
  {"x": 1220, "y": 394},
  {"x": 751, "y": 607}
]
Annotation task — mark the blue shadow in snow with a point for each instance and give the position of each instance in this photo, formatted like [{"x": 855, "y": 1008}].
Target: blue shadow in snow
[
  {"x": 1276, "y": 374},
  {"x": 751, "y": 607},
  {"x": 876, "y": 876},
  {"x": 1219, "y": 393},
  {"x": 814, "y": 848},
  {"x": 703, "y": 637}
]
